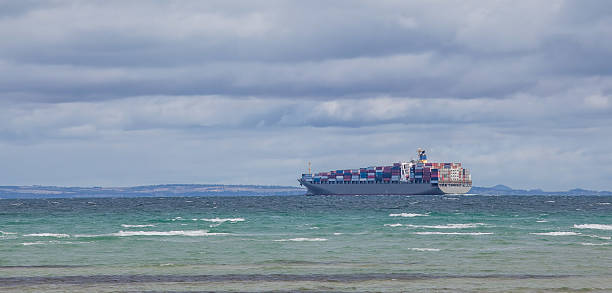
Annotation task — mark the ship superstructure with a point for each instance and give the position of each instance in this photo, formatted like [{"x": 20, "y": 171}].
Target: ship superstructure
[{"x": 413, "y": 177}]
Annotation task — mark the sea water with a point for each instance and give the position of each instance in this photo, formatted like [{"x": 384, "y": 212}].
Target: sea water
[{"x": 307, "y": 243}]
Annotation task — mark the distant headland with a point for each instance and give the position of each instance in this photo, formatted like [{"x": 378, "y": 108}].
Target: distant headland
[{"x": 170, "y": 190}]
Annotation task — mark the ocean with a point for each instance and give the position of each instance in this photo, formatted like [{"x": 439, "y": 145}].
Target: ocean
[{"x": 468, "y": 243}]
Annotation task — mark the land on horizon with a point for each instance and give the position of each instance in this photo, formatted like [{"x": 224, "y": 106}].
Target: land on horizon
[{"x": 168, "y": 190}]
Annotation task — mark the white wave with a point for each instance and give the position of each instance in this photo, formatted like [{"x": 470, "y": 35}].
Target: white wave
[
  {"x": 594, "y": 226},
  {"x": 408, "y": 215},
  {"x": 447, "y": 226},
  {"x": 599, "y": 237},
  {"x": 220, "y": 220},
  {"x": 137, "y": 226},
  {"x": 33, "y": 243},
  {"x": 393, "y": 225},
  {"x": 556, "y": 233},
  {"x": 153, "y": 233},
  {"x": 338, "y": 233},
  {"x": 603, "y": 203},
  {"x": 57, "y": 235},
  {"x": 551, "y": 201},
  {"x": 301, "y": 239},
  {"x": 541, "y": 221},
  {"x": 453, "y": 233},
  {"x": 53, "y": 242},
  {"x": 166, "y": 233},
  {"x": 594, "y": 244},
  {"x": 7, "y": 233},
  {"x": 424, "y": 249}
]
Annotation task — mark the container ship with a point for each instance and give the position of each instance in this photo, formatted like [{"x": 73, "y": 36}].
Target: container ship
[{"x": 403, "y": 178}]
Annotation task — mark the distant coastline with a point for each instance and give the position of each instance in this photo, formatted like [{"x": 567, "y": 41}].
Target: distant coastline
[{"x": 178, "y": 190}]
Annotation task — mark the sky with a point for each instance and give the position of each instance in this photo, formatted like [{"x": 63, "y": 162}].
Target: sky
[{"x": 121, "y": 93}]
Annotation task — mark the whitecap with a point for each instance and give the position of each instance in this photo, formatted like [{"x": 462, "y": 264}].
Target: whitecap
[
  {"x": 448, "y": 226},
  {"x": 599, "y": 237},
  {"x": 338, "y": 233},
  {"x": 550, "y": 201},
  {"x": 541, "y": 221},
  {"x": 453, "y": 233},
  {"x": 137, "y": 226},
  {"x": 57, "y": 235},
  {"x": 594, "y": 226},
  {"x": 594, "y": 244},
  {"x": 603, "y": 203},
  {"x": 408, "y": 215},
  {"x": 166, "y": 233},
  {"x": 424, "y": 249},
  {"x": 393, "y": 225},
  {"x": 53, "y": 242},
  {"x": 154, "y": 233},
  {"x": 7, "y": 233},
  {"x": 223, "y": 220},
  {"x": 556, "y": 233},
  {"x": 33, "y": 243},
  {"x": 301, "y": 239}
]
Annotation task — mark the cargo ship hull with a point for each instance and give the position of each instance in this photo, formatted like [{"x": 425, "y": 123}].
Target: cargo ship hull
[{"x": 402, "y": 188}]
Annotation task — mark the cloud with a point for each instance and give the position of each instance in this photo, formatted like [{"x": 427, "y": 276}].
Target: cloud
[{"x": 157, "y": 92}]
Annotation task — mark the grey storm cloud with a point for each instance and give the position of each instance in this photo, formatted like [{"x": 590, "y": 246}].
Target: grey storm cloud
[
  {"x": 155, "y": 92},
  {"x": 109, "y": 49}
]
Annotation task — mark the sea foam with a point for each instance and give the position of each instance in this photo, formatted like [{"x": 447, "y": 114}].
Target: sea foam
[
  {"x": 57, "y": 235},
  {"x": 453, "y": 233},
  {"x": 408, "y": 215},
  {"x": 594, "y": 244},
  {"x": 137, "y": 226},
  {"x": 301, "y": 239},
  {"x": 556, "y": 233},
  {"x": 393, "y": 225},
  {"x": 594, "y": 226},
  {"x": 166, "y": 233},
  {"x": 447, "y": 226},
  {"x": 424, "y": 249},
  {"x": 223, "y": 220}
]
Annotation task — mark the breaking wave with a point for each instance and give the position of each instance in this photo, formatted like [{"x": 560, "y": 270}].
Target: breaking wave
[
  {"x": 223, "y": 220},
  {"x": 153, "y": 233},
  {"x": 301, "y": 239},
  {"x": 136, "y": 226},
  {"x": 408, "y": 215},
  {"x": 556, "y": 233},
  {"x": 453, "y": 233},
  {"x": 166, "y": 233},
  {"x": 448, "y": 226},
  {"x": 57, "y": 235},
  {"x": 594, "y": 226},
  {"x": 599, "y": 237},
  {"x": 594, "y": 244},
  {"x": 394, "y": 225},
  {"x": 424, "y": 249}
]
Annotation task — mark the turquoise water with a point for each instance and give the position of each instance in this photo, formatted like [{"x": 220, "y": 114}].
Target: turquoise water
[{"x": 298, "y": 243}]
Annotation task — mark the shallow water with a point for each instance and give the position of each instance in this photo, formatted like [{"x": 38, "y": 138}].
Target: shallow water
[{"x": 298, "y": 243}]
